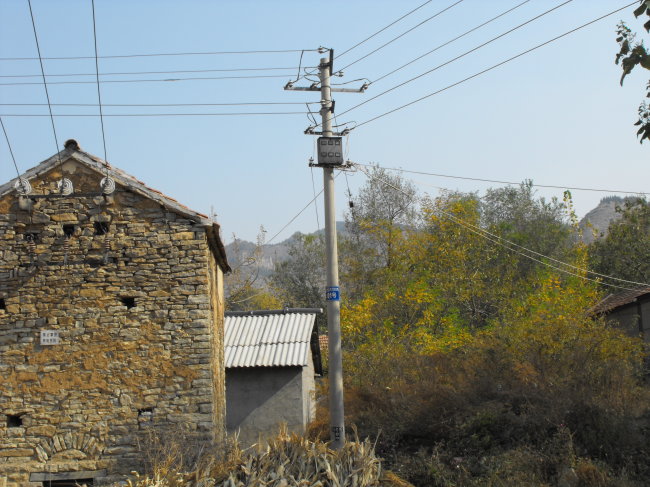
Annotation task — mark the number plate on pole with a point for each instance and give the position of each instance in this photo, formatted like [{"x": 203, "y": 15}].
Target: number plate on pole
[{"x": 333, "y": 293}]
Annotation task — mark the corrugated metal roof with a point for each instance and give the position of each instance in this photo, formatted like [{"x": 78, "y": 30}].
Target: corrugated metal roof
[{"x": 269, "y": 340}]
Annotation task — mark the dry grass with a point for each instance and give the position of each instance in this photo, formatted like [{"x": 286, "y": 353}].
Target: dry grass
[{"x": 287, "y": 460}]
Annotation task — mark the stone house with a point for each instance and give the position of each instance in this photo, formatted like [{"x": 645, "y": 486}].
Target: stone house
[
  {"x": 272, "y": 358},
  {"x": 111, "y": 321}
]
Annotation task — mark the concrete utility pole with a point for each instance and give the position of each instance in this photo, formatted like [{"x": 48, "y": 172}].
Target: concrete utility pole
[{"x": 330, "y": 155}]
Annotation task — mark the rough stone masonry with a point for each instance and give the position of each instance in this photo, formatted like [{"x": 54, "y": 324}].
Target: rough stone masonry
[{"x": 111, "y": 322}]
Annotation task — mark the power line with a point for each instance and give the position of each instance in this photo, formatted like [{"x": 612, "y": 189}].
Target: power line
[
  {"x": 487, "y": 69},
  {"x": 99, "y": 93},
  {"x": 197, "y": 78},
  {"x": 457, "y": 57},
  {"x": 128, "y": 73},
  {"x": 368, "y": 38},
  {"x": 13, "y": 158},
  {"x": 158, "y": 54},
  {"x": 47, "y": 95},
  {"x": 452, "y": 40},
  {"x": 499, "y": 241},
  {"x": 402, "y": 34},
  {"x": 298, "y": 214},
  {"x": 575, "y": 188},
  {"x": 152, "y": 114},
  {"x": 160, "y": 104},
  {"x": 382, "y": 29}
]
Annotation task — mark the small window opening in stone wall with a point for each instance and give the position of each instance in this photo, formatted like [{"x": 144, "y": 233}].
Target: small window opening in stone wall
[
  {"x": 14, "y": 421},
  {"x": 145, "y": 416},
  {"x": 101, "y": 228},
  {"x": 32, "y": 237},
  {"x": 3, "y": 304},
  {"x": 68, "y": 230},
  {"x": 128, "y": 301}
]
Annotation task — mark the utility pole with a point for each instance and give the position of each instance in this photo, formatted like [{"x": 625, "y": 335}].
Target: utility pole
[{"x": 330, "y": 155}]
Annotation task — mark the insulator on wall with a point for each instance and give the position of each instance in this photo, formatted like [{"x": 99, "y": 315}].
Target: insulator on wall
[
  {"x": 22, "y": 186},
  {"x": 66, "y": 249},
  {"x": 64, "y": 186},
  {"x": 107, "y": 185},
  {"x": 107, "y": 246}
]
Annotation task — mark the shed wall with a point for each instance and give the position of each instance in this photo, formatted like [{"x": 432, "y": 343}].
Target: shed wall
[{"x": 259, "y": 399}]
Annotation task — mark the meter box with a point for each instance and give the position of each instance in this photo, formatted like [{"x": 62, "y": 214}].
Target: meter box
[{"x": 330, "y": 151}]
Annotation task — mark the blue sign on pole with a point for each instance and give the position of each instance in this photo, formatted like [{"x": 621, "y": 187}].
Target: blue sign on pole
[{"x": 333, "y": 293}]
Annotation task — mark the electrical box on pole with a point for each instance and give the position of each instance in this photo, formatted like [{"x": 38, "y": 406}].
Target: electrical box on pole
[{"x": 330, "y": 151}]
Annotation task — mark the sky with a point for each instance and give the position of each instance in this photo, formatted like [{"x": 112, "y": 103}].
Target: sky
[{"x": 557, "y": 116}]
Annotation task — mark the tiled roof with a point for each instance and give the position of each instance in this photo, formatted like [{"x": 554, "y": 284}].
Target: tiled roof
[
  {"x": 269, "y": 339},
  {"x": 617, "y": 300}
]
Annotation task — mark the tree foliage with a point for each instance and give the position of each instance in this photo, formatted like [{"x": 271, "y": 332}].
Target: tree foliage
[
  {"x": 632, "y": 54},
  {"x": 625, "y": 251}
]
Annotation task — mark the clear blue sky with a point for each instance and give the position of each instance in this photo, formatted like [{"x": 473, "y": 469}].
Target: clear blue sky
[{"x": 557, "y": 116}]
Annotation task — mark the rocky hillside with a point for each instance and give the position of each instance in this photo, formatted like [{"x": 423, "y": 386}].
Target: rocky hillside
[
  {"x": 595, "y": 223},
  {"x": 240, "y": 250}
]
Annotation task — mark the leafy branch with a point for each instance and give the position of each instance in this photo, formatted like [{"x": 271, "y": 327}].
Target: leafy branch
[{"x": 632, "y": 54}]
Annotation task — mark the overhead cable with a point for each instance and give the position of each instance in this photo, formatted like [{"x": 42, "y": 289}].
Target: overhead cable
[
  {"x": 475, "y": 75},
  {"x": 158, "y": 54},
  {"x": 401, "y": 35},
  {"x": 198, "y": 78},
  {"x": 47, "y": 95},
  {"x": 467, "y": 178},
  {"x": 514, "y": 247},
  {"x": 151, "y": 114},
  {"x": 161, "y": 104},
  {"x": 13, "y": 158},
  {"x": 382, "y": 29},
  {"x": 128, "y": 73},
  {"x": 451, "y": 40},
  {"x": 460, "y": 56},
  {"x": 99, "y": 92}
]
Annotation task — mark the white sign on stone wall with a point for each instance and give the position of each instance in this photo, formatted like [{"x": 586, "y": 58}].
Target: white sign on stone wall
[{"x": 50, "y": 337}]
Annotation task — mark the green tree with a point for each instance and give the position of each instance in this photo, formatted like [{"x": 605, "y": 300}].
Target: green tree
[
  {"x": 625, "y": 251},
  {"x": 632, "y": 54}
]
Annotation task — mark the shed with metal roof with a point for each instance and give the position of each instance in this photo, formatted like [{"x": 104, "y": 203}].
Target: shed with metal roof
[{"x": 271, "y": 357}]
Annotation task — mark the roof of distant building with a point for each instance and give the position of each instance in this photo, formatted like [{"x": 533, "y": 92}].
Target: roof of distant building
[
  {"x": 617, "y": 300},
  {"x": 272, "y": 338}
]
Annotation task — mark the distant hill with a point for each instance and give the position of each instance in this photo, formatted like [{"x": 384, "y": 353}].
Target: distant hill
[
  {"x": 594, "y": 224},
  {"x": 597, "y": 221},
  {"x": 240, "y": 250}
]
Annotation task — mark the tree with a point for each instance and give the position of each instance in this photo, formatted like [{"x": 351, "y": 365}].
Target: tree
[
  {"x": 632, "y": 54},
  {"x": 244, "y": 290},
  {"x": 385, "y": 206},
  {"x": 299, "y": 281},
  {"x": 625, "y": 251}
]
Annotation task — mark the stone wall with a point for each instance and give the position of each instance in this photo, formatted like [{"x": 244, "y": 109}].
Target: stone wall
[{"x": 139, "y": 313}]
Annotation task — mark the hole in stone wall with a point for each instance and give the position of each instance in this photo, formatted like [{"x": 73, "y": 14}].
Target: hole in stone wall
[
  {"x": 14, "y": 421},
  {"x": 3, "y": 304},
  {"x": 32, "y": 237},
  {"x": 101, "y": 228},
  {"x": 128, "y": 301},
  {"x": 68, "y": 230},
  {"x": 145, "y": 416}
]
